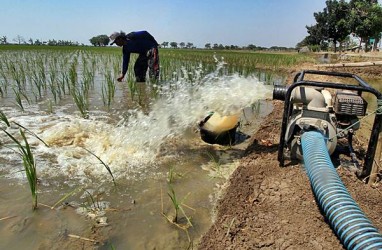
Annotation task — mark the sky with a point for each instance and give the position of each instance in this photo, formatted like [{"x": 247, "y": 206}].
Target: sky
[{"x": 263, "y": 23}]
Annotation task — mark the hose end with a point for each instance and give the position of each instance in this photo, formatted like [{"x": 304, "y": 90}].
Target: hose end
[{"x": 279, "y": 92}]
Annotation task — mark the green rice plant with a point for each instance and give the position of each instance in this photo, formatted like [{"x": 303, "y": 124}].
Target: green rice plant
[
  {"x": 171, "y": 175},
  {"x": 53, "y": 86},
  {"x": 4, "y": 118},
  {"x": 175, "y": 202},
  {"x": 132, "y": 87},
  {"x": 31, "y": 133},
  {"x": 71, "y": 193},
  {"x": 41, "y": 72},
  {"x": 37, "y": 84},
  {"x": 81, "y": 100},
  {"x": 16, "y": 75},
  {"x": 73, "y": 75},
  {"x": 216, "y": 163},
  {"x": 18, "y": 93},
  {"x": 92, "y": 201},
  {"x": 28, "y": 163},
  {"x": 177, "y": 206},
  {"x": 64, "y": 82},
  {"x": 108, "y": 89},
  {"x": 4, "y": 83},
  {"x": 50, "y": 107},
  {"x": 103, "y": 163}
]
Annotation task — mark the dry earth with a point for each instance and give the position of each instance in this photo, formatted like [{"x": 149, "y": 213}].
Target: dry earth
[{"x": 267, "y": 206}]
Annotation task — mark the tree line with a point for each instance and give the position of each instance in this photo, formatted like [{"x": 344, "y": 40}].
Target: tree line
[
  {"x": 104, "y": 40},
  {"x": 216, "y": 46},
  {"x": 51, "y": 42},
  {"x": 340, "y": 21}
]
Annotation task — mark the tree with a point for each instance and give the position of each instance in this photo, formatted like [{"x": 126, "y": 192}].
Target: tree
[
  {"x": 366, "y": 20},
  {"x": 37, "y": 42},
  {"x": 100, "y": 40},
  {"x": 19, "y": 39},
  {"x": 3, "y": 40},
  {"x": 189, "y": 45},
  {"x": 251, "y": 47},
  {"x": 52, "y": 42},
  {"x": 30, "y": 41},
  {"x": 182, "y": 45},
  {"x": 164, "y": 44},
  {"x": 174, "y": 45},
  {"x": 315, "y": 40},
  {"x": 333, "y": 23},
  {"x": 207, "y": 46}
]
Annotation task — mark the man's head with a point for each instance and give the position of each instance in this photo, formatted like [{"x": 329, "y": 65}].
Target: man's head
[{"x": 118, "y": 38}]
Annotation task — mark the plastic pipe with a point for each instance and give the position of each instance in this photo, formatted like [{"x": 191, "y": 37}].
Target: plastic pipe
[{"x": 347, "y": 220}]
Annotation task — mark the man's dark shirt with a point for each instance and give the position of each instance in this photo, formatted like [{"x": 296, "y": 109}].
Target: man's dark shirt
[{"x": 137, "y": 42}]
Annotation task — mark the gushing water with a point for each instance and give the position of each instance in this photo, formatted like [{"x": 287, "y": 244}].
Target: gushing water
[{"x": 131, "y": 147}]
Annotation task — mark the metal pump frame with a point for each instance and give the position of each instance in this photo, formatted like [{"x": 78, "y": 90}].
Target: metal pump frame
[{"x": 361, "y": 87}]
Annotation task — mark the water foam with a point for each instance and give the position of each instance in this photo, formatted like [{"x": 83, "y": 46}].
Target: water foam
[{"x": 130, "y": 148}]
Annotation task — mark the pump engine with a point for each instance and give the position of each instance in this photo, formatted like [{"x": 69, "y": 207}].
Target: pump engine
[{"x": 334, "y": 109}]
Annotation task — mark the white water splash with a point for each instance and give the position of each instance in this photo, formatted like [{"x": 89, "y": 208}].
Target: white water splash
[{"x": 130, "y": 148}]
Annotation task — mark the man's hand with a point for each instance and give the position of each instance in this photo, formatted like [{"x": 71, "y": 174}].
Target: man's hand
[{"x": 120, "y": 78}]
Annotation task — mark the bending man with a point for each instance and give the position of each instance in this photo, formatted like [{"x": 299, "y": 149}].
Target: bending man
[{"x": 144, "y": 44}]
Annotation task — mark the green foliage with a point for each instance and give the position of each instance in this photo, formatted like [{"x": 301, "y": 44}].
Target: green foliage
[
  {"x": 101, "y": 40},
  {"x": 333, "y": 23},
  {"x": 28, "y": 162},
  {"x": 366, "y": 19},
  {"x": 339, "y": 19}
]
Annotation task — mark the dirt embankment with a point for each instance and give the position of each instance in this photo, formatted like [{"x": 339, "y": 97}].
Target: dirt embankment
[{"x": 271, "y": 207}]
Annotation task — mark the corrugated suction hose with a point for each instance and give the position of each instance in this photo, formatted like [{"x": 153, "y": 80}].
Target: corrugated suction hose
[{"x": 350, "y": 224}]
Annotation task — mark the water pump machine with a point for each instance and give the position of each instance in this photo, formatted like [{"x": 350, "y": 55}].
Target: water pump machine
[
  {"x": 333, "y": 109},
  {"x": 317, "y": 115}
]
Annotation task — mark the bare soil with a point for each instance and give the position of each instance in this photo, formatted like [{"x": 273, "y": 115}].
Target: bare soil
[{"x": 266, "y": 206}]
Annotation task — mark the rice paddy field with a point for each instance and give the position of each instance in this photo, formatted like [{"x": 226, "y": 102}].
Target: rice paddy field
[{"x": 89, "y": 162}]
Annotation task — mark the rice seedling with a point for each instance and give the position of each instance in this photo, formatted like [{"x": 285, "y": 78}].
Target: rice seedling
[
  {"x": 4, "y": 83},
  {"x": 18, "y": 93},
  {"x": 28, "y": 163},
  {"x": 71, "y": 193},
  {"x": 178, "y": 206},
  {"x": 172, "y": 175},
  {"x": 31, "y": 133},
  {"x": 81, "y": 100},
  {"x": 64, "y": 81},
  {"x": 103, "y": 163},
  {"x": 4, "y": 118},
  {"x": 38, "y": 84},
  {"x": 50, "y": 107},
  {"x": 108, "y": 89},
  {"x": 73, "y": 74},
  {"x": 216, "y": 163},
  {"x": 132, "y": 84}
]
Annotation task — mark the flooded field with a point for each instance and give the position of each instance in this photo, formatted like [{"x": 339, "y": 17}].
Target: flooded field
[{"x": 116, "y": 163}]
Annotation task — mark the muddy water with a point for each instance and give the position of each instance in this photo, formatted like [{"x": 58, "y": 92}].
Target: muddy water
[{"x": 152, "y": 150}]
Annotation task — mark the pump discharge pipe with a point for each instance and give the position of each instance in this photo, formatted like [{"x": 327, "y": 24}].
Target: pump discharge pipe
[{"x": 350, "y": 224}]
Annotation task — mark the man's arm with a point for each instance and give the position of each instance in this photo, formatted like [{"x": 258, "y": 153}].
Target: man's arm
[{"x": 125, "y": 65}]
